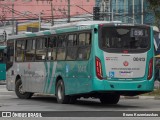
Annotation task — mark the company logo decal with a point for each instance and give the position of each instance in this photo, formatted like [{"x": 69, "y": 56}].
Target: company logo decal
[{"x": 125, "y": 63}]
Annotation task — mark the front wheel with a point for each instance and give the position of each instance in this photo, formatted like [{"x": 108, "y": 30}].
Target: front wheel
[
  {"x": 109, "y": 98},
  {"x": 19, "y": 91}
]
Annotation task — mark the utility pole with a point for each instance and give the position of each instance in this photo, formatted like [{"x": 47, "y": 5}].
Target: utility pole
[
  {"x": 125, "y": 10},
  {"x": 13, "y": 18},
  {"x": 69, "y": 11},
  {"x": 133, "y": 11},
  {"x": 39, "y": 19},
  {"x": 142, "y": 12},
  {"x": 52, "y": 21},
  {"x": 112, "y": 17}
]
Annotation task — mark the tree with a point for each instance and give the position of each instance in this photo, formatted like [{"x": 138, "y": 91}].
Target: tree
[{"x": 154, "y": 7}]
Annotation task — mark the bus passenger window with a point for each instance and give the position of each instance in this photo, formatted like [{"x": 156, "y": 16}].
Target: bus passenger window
[
  {"x": 70, "y": 40},
  {"x": 84, "y": 46},
  {"x": 88, "y": 39},
  {"x": 83, "y": 53},
  {"x": 72, "y": 47},
  {"x": 71, "y": 53},
  {"x": 82, "y": 38},
  {"x": 52, "y": 44},
  {"x": 61, "y": 54},
  {"x": 30, "y": 51},
  {"x": 52, "y": 54},
  {"x": 61, "y": 42},
  {"x": 19, "y": 55},
  {"x": 20, "y": 50},
  {"x": 41, "y": 49}
]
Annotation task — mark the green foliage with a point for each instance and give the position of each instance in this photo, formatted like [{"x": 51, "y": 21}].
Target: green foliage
[{"x": 154, "y": 7}]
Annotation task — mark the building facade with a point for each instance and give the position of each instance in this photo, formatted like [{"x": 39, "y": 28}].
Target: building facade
[
  {"x": 49, "y": 12},
  {"x": 130, "y": 11}
]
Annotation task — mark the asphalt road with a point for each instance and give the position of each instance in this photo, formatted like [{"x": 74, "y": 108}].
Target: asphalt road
[{"x": 92, "y": 107}]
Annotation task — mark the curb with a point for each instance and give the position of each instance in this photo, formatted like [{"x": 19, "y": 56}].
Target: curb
[
  {"x": 2, "y": 82},
  {"x": 157, "y": 98},
  {"x": 141, "y": 97},
  {"x": 43, "y": 94},
  {"x": 130, "y": 97}
]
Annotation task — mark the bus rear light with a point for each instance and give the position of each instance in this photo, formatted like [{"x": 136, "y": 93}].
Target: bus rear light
[
  {"x": 150, "y": 69},
  {"x": 99, "y": 68}
]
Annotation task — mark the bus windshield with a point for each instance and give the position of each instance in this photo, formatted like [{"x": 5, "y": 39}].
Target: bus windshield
[{"x": 133, "y": 39}]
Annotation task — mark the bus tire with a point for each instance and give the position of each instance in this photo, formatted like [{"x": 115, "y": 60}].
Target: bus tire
[
  {"x": 109, "y": 98},
  {"x": 60, "y": 93},
  {"x": 19, "y": 92}
]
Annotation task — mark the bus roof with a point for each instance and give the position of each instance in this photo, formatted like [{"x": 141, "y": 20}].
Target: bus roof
[
  {"x": 60, "y": 27},
  {"x": 66, "y": 27},
  {"x": 82, "y": 23}
]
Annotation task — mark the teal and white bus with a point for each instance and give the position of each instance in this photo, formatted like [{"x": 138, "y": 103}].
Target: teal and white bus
[
  {"x": 95, "y": 59},
  {"x": 2, "y": 63}
]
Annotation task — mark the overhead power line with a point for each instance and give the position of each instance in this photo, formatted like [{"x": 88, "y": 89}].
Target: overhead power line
[{"x": 17, "y": 12}]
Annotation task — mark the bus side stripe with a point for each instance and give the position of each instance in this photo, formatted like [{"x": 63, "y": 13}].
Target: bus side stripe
[
  {"x": 53, "y": 73},
  {"x": 50, "y": 76},
  {"x": 46, "y": 77}
]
